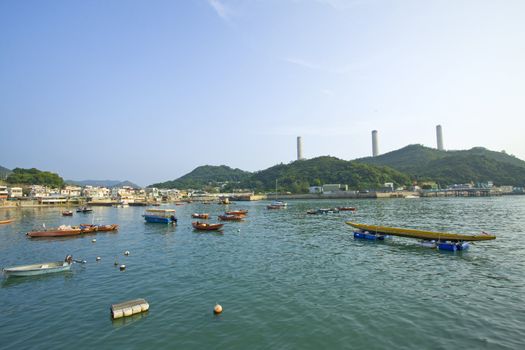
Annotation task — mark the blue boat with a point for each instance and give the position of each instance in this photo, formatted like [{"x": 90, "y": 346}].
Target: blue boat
[
  {"x": 453, "y": 246},
  {"x": 160, "y": 216},
  {"x": 368, "y": 235}
]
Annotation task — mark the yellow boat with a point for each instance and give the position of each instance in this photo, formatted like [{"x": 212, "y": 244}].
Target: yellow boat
[{"x": 420, "y": 234}]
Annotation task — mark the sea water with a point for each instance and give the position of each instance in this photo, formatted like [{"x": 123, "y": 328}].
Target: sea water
[{"x": 285, "y": 279}]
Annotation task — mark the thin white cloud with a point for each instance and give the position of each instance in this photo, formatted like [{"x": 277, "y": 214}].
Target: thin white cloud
[
  {"x": 221, "y": 9},
  {"x": 302, "y": 63}
]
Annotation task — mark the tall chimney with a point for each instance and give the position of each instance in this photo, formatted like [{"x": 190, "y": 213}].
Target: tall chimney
[
  {"x": 439, "y": 136},
  {"x": 375, "y": 148},
  {"x": 299, "y": 148}
]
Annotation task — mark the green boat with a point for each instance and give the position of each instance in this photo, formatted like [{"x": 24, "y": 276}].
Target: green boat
[
  {"x": 39, "y": 269},
  {"x": 421, "y": 234}
]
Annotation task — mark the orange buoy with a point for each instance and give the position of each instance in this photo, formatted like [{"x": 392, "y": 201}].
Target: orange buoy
[{"x": 217, "y": 309}]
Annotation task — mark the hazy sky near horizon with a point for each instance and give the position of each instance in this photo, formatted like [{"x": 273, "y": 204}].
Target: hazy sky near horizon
[{"x": 148, "y": 90}]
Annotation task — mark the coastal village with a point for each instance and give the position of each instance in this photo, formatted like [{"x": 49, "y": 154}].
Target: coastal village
[{"x": 71, "y": 195}]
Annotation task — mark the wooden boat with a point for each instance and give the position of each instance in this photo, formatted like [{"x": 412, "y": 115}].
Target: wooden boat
[
  {"x": 67, "y": 213},
  {"x": 61, "y": 231},
  {"x": 200, "y": 216},
  {"x": 3, "y": 222},
  {"x": 227, "y": 217},
  {"x": 421, "y": 234},
  {"x": 40, "y": 269},
  {"x": 237, "y": 212},
  {"x": 100, "y": 228},
  {"x": 346, "y": 208},
  {"x": 206, "y": 227}
]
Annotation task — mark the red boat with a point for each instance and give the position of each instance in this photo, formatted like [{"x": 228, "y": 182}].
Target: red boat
[
  {"x": 67, "y": 213},
  {"x": 62, "y": 231},
  {"x": 99, "y": 228},
  {"x": 237, "y": 212},
  {"x": 346, "y": 208},
  {"x": 227, "y": 217},
  {"x": 206, "y": 227},
  {"x": 200, "y": 216}
]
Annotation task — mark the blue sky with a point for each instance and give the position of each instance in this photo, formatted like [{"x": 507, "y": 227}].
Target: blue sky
[{"x": 148, "y": 90}]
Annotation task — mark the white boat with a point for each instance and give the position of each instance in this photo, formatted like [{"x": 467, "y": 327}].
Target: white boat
[{"x": 39, "y": 269}]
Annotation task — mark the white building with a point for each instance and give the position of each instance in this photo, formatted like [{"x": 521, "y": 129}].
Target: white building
[
  {"x": 96, "y": 192},
  {"x": 71, "y": 191},
  {"x": 16, "y": 192}
]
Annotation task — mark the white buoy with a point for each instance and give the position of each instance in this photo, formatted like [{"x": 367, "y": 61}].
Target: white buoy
[
  {"x": 126, "y": 252},
  {"x": 93, "y": 240},
  {"x": 122, "y": 267},
  {"x": 217, "y": 309},
  {"x": 98, "y": 258},
  {"x": 238, "y": 230}
]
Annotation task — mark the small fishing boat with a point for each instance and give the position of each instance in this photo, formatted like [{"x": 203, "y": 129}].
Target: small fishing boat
[
  {"x": 346, "y": 208},
  {"x": 161, "y": 216},
  {"x": 61, "y": 231},
  {"x": 3, "y": 222},
  {"x": 84, "y": 210},
  {"x": 40, "y": 269},
  {"x": 227, "y": 217},
  {"x": 67, "y": 213},
  {"x": 237, "y": 212},
  {"x": 206, "y": 227},
  {"x": 421, "y": 234},
  {"x": 99, "y": 228},
  {"x": 277, "y": 205},
  {"x": 200, "y": 216}
]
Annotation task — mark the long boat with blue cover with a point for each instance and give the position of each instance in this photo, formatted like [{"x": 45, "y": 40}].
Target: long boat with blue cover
[
  {"x": 161, "y": 216},
  {"x": 422, "y": 234}
]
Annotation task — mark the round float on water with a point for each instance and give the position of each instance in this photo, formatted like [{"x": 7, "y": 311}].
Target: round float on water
[
  {"x": 126, "y": 252},
  {"x": 122, "y": 267},
  {"x": 93, "y": 240},
  {"x": 98, "y": 258},
  {"x": 217, "y": 309}
]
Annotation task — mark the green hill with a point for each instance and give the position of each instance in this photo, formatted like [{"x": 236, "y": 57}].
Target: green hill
[
  {"x": 206, "y": 175},
  {"x": 34, "y": 177},
  {"x": 296, "y": 177},
  {"x": 447, "y": 167},
  {"x": 4, "y": 172}
]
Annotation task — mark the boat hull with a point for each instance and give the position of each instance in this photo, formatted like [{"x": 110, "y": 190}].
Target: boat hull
[
  {"x": 3, "y": 222},
  {"x": 37, "y": 269},
  {"x": 420, "y": 234},
  {"x": 55, "y": 233},
  {"x": 206, "y": 227},
  {"x": 158, "y": 219}
]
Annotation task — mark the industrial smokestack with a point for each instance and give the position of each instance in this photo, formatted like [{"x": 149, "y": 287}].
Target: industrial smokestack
[
  {"x": 375, "y": 148},
  {"x": 299, "y": 148},
  {"x": 439, "y": 136}
]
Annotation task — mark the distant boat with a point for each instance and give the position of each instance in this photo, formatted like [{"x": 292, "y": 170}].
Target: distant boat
[
  {"x": 39, "y": 269},
  {"x": 346, "y": 208},
  {"x": 237, "y": 212},
  {"x": 323, "y": 211},
  {"x": 3, "y": 222},
  {"x": 160, "y": 216},
  {"x": 206, "y": 227},
  {"x": 227, "y": 217},
  {"x": 277, "y": 205},
  {"x": 200, "y": 216},
  {"x": 84, "y": 210},
  {"x": 67, "y": 213},
  {"x": 420, "y": 234}
]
